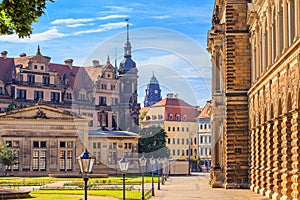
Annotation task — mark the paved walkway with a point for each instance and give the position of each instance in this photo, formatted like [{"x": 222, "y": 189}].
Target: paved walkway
[{"x": 196, "y": 187}]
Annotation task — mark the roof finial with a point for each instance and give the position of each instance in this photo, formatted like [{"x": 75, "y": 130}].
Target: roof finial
[
  {"x": 38, "y": 50},
  {"x": 127, "y": 19}
]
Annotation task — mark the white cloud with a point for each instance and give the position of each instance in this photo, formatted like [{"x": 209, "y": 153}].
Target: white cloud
[
  {"x": 102, "y": 28},
  {"x": 79, "y": 25},
  {"x": 69, "y": 21},
  {"x": 52, "y": 33},
  {"x": 119, "y": 9},
  {"x": 160, "y": 17}
]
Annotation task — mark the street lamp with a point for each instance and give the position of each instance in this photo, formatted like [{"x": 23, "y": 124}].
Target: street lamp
[
  {"x": 162, "y": 161},
  {"x": 158, "y": 173},
  {"x": 143, "y": 161},
  {"x": 86, "y": 163},
  {"x": 123, "y": 163},
  {"x": 152, "y": 161}
]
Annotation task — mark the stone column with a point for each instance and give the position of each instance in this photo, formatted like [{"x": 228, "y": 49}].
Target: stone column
[
  {"x": 258, "y": 55},
  {"x": 297, "y": 21},
  {"x": 286, "y": 156},
  {"x": 269, "y": 159},
  {"x": 277, "y": 158},
  {"x": 285, "y": 26},
  {"x": 263, "y": 160},
  {"x": 295, "y": 155},
  {"x": 252, "y": 160},
  {"x": 257, "y": 161},
  {"x": 270, "y": 57},
  {"x": 264, "y": 55}
]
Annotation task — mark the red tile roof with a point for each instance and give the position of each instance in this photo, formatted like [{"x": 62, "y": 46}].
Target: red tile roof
[
  {"x": 7, "y": 66},
  {"x": 65, "y": 71}
]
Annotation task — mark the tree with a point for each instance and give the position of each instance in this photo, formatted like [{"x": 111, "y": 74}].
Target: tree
[
  {"x": 17, "y": 16},
  {"x": 8, "y": 157},
  {"x": 153, "y": 142}
]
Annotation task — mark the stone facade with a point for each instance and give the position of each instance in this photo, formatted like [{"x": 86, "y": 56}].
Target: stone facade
[
  {"x": 178, "y": 119},
  {"x": 228, "y": 44},
  {"x": 273, "y": 28}
]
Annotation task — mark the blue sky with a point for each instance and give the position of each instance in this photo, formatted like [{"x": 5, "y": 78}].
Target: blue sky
[{"x": 167, "y": 36}]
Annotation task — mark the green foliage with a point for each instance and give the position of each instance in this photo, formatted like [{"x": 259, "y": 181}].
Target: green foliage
[
  {"x": 153, "y": 142},
  {"x": 17, "y": 16},
  {"x": 11, "y": 106},
  {"x": 7, "y": 156},
  {"x": 142, "y": 116}
]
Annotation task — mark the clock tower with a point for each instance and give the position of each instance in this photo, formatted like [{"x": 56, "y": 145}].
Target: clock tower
[{"x": 153, "y": 92}]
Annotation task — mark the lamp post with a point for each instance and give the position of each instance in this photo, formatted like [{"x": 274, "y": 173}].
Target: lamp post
[
  {"x": 123, "y": 164},
  {"x": 86, "y": 163},
  {"x": 162, "y": 161},
  {"x": 143, "y": 161},
  {"x": 158, "y": 173},
  {"x": 152, "y": 161}
]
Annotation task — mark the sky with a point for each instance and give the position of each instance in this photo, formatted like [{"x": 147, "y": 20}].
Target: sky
[{"x": 168, "y": 37}]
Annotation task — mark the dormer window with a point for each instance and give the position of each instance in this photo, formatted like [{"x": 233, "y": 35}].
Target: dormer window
[
  {"x": 81, "y": 97},
  {"x": 147, "y": 117},
  {"x": 103, "y": 86},
  {"x": 170, "y": 117},
  {"x": 35, "y": 66},
  {"x": 183, "y": 117},
  {"x": 68, "y": 96},
  {"x": 42, "y": 68},
  {"x": 177, "y": 117},
  {"x": 154, "y": 117}
]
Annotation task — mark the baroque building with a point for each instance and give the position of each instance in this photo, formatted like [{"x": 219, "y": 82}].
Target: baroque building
[
  {"x": 178, "y": 119},
  {"x": 101, "y": 94},
  {"x": 153, "y": 92},
  {"x": 204, "y": 131},
  {"x": 270, "y": 71}
]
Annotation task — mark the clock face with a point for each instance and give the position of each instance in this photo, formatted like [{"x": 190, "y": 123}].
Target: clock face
[{"x": 155, "y": 91}]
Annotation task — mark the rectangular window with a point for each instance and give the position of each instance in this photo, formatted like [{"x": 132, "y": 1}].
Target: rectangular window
[
  {"x": 68, "y": 96},
  {"x": 169, "y": 128},
  {"x": 182, "y": 129},
  {"x": 55, "y": 96},
  {"x": 182, "y": 141},
  {"x": 187, "y": 129},
  {"x": 39, "y": 156},
  {"x": 174, "y": 141},
  {"x": 178, "y": 152},
  {"x": 178, "y": 129},
  {"x": 21, "y": 94},
  {"x": 1, "y": 91},
  {"x": 98, "y": 145},
  {"x": 46, "y": 80},
  {"x": 182, "y": 152},
  {"x": 169, "y": 140},
  {"x": 102, "y": 101},
  {"x": 66, "y": 157},
  {"x": 30, "y": 79},
  {"x": 174, "y": 152},
  {"x": 38, "y": 95},
  {"x": 173, "y": 129},
  {"x": 178, "y": 141},
  {"x": 15, "y": 147},
  {"x": 94, "y": 145}
]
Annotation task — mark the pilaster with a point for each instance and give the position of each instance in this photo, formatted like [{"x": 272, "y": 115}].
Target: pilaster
[
  {"x": 269, "y": 158},
  {"x": 277, "y": 158},
  {"x": 263, "y": 160},
  {"x": 285, "y": 26},
  {"x": 286, "y": 157},
  {"x": 295, "y": 129}
]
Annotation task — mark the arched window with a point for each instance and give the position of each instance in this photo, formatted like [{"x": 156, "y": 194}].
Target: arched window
[{"x": 170, "y": 117}]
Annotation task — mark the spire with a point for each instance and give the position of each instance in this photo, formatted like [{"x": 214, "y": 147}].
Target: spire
[
  {"x": 107, "y": 61},
  {"x": 38, "y": 50},
  {"x": 127, "y": 45},
  {"x": 152, "y": 72},
  {"x": 116, "y": 65},
  {"x": 127, "y": 19}
]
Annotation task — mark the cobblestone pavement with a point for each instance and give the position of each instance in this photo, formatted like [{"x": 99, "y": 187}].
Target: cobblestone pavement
[{"x": 196, "y": 187}]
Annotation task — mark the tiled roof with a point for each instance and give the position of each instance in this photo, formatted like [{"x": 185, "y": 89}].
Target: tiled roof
[
  {"x": 65, "y": 71},
  {"x": 171, "y": 102},
  {"x": 205, "y": 110},
  {"x": 6, "y": 66}
]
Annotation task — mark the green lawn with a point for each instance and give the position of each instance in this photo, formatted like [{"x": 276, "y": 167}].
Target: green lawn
[
  {"x": 31, "y": 181},
  {"x": 71, "y": 194}
]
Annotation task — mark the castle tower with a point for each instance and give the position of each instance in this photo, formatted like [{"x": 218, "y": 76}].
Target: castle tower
[
  {"x": 153, "y": 92},
  {"x": 128, "y": 106}
]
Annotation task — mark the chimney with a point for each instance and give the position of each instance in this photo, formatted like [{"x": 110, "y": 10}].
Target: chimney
[
  {"x": 69, "y": 62},
  {"x": 4, "y": 54},
  {"x": 170, "y": 96},
  {"x": 96, "y": 63},
  {"x": 176, "y": 96}
]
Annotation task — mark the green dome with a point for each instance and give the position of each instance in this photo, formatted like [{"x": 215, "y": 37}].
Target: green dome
[{"x": 153, "y": 80}]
